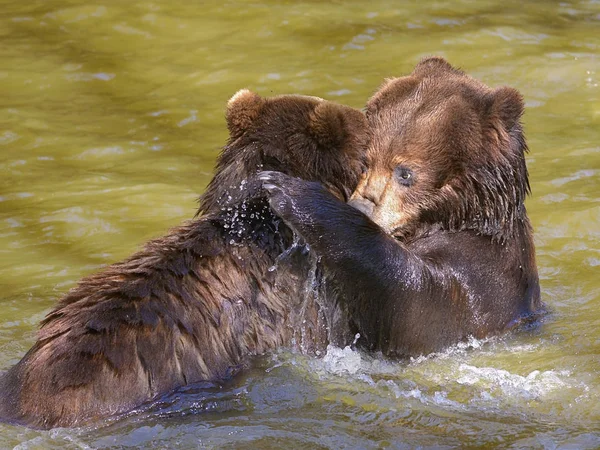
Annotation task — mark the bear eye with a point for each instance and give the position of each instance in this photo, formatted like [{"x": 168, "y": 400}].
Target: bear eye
[{"x": 404, "y": 176}]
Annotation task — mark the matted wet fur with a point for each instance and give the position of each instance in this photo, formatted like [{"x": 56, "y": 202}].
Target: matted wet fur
[
  {"x": 195, "y": 304},
  {"x": 435, "y": 244}
]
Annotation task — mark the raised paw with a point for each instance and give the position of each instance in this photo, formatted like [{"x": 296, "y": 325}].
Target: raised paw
[
  {"x": 295, "y": 200},
  {"x": 281, "y": 190},
  {"x": 306, "y": 206},
  {"x": 273, "y": 181}
]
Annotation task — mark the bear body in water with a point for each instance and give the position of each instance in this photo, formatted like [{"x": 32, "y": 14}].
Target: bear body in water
[
  {"x": 435, "y": 245},
  {"x": 195, "y": 304}
]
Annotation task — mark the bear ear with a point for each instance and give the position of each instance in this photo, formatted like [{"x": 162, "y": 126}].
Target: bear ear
[
  {"x": 378, "y": 98},
  {"x": 433, "y": 65},
  {"x": 242, "y": 111},
  {"x": 507, "y": 106},
  {"x": 330, "y": 124}
]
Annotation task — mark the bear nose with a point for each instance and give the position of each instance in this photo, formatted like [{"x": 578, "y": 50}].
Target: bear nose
[{"x": 364, "y": 206}]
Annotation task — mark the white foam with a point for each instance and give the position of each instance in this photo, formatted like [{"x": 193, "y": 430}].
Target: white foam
[
  {"x": 341, "y": 361},
  {"x": 535, "y": 385}
]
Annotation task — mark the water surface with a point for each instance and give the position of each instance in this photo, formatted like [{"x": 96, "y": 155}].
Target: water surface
[{"x": 112, "y": 115}]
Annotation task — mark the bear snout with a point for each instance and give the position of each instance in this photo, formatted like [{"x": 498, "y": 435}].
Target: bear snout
[{"x": 363, "y": 205}]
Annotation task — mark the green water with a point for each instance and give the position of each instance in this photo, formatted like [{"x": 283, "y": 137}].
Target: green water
[{"x": 111, "y": 119}]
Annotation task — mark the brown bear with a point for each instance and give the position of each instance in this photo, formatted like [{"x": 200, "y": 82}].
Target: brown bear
[
  {"x": 435, "y": 245},
  {"x": 195, "y": 304}
]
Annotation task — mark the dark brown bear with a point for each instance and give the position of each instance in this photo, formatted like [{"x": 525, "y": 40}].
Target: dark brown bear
[
  {"x": 196, "y": 303},
  {"x": 438, "y": 246}
]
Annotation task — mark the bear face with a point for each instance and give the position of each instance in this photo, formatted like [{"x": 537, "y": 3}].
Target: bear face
[
  {"x": 435, "y": 245},
  {"x": 303, "y": 136},
  {"x": 446, "y": 149},
  {"x": 194, "y": 304}
]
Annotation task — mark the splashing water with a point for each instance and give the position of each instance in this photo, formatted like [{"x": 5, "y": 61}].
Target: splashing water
[
  {"x": 451, "y": 381},
  {"x": 296, "y": 244},
  {"x": 345, "y": 360},
  {"x": 535, "y": 385}
]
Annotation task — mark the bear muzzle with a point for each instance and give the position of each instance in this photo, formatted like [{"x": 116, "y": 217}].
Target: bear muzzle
[
  {"x": 363, "y": 205},
  {"x": 387, "y": 218}
]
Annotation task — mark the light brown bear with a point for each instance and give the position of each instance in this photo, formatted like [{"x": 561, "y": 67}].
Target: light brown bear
[
  {"x": 435, "y": 245},
  {"x": 197, "y": 303}
]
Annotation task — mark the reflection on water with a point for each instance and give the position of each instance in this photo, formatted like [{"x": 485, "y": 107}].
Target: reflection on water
[{"x": 112, "y": 116}]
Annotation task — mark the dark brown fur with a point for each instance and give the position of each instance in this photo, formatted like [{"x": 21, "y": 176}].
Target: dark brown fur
[
  {"x": 195, "y": 304},
  {"x": 312, "y": 139},
  {"x": 442, "y": 248}
]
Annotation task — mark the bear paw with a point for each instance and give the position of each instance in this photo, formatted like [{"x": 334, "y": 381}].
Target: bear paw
[{"x": 292, "y": 199}]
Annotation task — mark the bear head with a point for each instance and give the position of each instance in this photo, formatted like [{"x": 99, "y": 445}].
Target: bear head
[
  {"x": 446, "y": 150},
  {"x": 306, "y": 137}
]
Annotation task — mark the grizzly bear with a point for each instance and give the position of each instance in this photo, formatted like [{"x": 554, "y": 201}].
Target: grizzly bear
[
  {"x": 435, "y": 245},
  {"x": 195, "y": 304}
]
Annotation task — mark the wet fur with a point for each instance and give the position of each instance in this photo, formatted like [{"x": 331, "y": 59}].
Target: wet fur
[
  {"x": 322, "y": 141},
  {"x": 476, "y": 148},
  {"x": 195, "y": 304},
  {"x": 189, "y": 307},
  {"x": 448, "y": 256}
]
